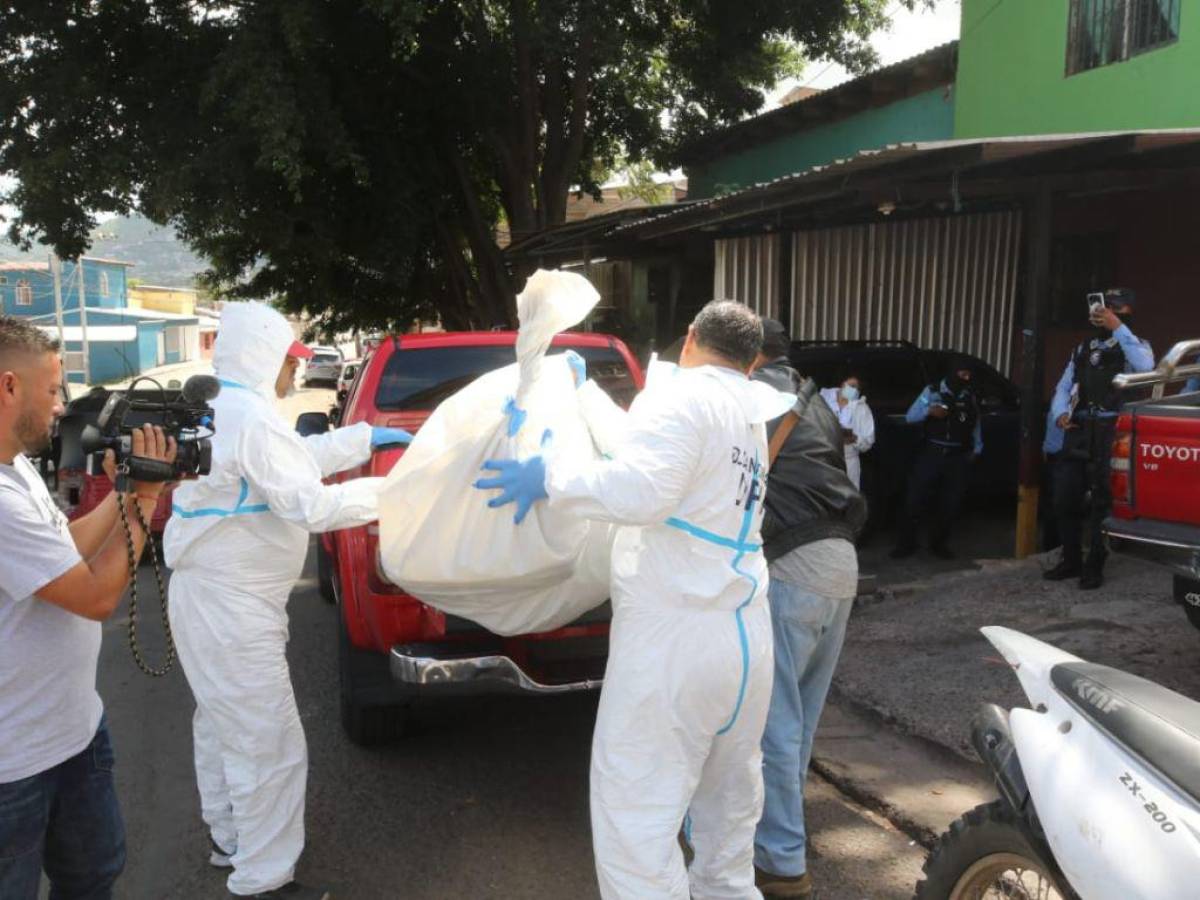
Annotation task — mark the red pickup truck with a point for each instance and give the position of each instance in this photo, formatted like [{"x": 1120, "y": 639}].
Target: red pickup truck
[
  {"x": 392, "y": 647},
  {"x": 1156, "y": 474}
]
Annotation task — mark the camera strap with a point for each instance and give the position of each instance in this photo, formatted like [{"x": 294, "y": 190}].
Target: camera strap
[{"x": 134, "y": 646}]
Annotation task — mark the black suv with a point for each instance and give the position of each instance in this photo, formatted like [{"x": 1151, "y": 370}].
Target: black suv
[{"x": 893, "y": 374}]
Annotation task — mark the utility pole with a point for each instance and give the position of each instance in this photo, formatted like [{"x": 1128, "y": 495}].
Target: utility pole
[
  {"x": 87, "y": 366},
  {"x": 56, "y": 272}
]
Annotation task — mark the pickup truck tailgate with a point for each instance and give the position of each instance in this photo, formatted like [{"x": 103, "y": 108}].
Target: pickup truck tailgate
[{"x": 1166, "y": 470}]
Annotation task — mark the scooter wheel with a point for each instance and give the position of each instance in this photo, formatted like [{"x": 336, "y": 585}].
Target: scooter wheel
[{"x": 984, "y": 854}]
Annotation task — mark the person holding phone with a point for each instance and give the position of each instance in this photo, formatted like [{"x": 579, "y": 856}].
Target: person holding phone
[
  {"x": 953, "y": 440},
  {"x": 857, "y": 421},
  {"x": 1085, "y": 407}
]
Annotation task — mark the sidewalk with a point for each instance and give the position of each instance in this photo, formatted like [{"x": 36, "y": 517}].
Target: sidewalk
[
  {"x": 895, "y": 736},
  {"x": 984, "y": 531},
  {"x": 918, "y": 786},
  {"x": 914, "y": 657}
]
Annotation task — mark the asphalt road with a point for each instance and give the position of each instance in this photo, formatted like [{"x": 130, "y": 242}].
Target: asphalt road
[{"x": 487, "y": 798}]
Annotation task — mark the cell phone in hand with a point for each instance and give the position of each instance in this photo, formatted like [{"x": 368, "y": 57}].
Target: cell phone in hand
[{"x": 1095, "y": 301}]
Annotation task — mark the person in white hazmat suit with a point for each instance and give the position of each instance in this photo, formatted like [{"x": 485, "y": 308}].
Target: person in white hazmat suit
[
  {"x": 857, "y": 421},
  {"x": 236, "y": 541},
  {"x": 690, "y": 663}
]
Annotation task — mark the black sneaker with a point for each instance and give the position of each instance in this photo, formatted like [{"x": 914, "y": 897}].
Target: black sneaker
[
  {"x": 293, "y": 890},
  {"x": 1063, "y": 571},
  {"x": 941, "y": 551},
  {"x": 1090, "y": 580}
]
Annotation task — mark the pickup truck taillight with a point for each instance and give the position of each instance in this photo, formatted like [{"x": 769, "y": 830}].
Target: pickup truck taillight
[{"x": 1121, "y": 469}]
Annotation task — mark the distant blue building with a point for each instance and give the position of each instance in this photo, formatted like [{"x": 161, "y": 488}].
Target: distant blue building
[
  {"x": 27, "y": 289},
  {"x": 122, "y": 342}
]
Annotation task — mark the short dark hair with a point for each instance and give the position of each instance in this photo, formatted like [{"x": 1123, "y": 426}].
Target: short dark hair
[
  {"x": 731, "y": 330},
  {"x": 18, "y": 336},
  {"x": 776, "y": 341}
]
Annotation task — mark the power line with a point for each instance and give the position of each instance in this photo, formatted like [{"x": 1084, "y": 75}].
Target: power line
[
  {"x": 895, "y": 8},
  {"x": 970, "y": 31},
  {"x": 891, "y": 11}
]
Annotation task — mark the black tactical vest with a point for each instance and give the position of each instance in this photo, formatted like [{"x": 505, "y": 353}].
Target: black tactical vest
[
  {"x": 1097, "y": 363},
  {"x": 959, "y": 425}
]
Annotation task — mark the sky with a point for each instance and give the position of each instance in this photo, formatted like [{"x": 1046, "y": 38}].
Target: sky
[{"x": 911, "y": 33}]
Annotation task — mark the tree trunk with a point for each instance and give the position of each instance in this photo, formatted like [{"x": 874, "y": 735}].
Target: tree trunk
[
  {"x": 498, "y": 304},
  {"x": 566, "y": 129},
  {"x": 460, "y": 311}
]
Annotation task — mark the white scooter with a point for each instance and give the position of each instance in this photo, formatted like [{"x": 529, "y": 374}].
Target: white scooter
[{"x": 1099, "y": 789}]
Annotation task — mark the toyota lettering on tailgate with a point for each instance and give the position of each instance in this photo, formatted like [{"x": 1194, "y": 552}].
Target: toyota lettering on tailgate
[{"x": 1163, "y": 452}]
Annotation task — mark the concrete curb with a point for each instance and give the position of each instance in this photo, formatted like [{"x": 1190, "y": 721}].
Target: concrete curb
[{"x": 917, "y": 785}]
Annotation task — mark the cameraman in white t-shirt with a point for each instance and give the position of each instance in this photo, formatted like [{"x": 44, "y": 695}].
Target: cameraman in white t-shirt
[{"x": 58, "y": 581}]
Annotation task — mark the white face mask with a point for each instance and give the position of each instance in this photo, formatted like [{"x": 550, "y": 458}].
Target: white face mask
[{"x": 849, "y": 393}]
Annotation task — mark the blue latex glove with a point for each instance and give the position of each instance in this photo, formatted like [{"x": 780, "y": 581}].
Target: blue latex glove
[
  {"x": 522, "y": 481},
  {"x": 381, "y": 437},
  {"x": 578, "y": 367}
]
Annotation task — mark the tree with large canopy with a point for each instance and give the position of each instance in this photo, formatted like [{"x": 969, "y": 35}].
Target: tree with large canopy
[{"x": 351, "y": 158}]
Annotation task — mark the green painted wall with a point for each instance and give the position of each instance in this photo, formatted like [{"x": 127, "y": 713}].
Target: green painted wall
[
  {"x": 1012, "y": 76},
  {"x": 923, "y": 117}
]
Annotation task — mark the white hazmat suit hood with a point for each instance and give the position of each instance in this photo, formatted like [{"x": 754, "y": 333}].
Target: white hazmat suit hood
[
  {"x": 252, "y": 346},
  {"x": 237, "y": 540}
]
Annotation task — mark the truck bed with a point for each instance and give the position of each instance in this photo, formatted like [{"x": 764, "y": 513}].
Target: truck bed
[
  {"x": 1164, "y": 457},
  {"x": 1156, "y": 470}
]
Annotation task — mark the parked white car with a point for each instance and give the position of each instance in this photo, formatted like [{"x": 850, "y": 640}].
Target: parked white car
[{"x": 325, "y": 366}]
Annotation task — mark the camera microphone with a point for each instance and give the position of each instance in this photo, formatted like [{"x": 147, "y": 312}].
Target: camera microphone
[{"x": 201, "y": 388}]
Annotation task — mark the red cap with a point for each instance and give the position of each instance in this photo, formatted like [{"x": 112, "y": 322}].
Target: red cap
[{"x": 299, "y": 351}]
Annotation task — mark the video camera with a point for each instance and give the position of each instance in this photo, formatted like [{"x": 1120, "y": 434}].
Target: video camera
[{"x": 188, "y": 419}]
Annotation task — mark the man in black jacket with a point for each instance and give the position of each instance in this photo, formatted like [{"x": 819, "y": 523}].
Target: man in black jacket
[{"x": 813, "y": 514}]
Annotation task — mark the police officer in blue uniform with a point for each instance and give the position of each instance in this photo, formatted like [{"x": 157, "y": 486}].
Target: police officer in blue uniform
[
  {"x": 953, "y": 440},
  {"x": 1086, "y": 406}
]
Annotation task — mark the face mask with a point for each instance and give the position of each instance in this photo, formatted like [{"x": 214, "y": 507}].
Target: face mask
[
  {"x": 956, "y": 384},
  {"x": 1126, "y": 319},
  {"x": 849, "y": 393}
]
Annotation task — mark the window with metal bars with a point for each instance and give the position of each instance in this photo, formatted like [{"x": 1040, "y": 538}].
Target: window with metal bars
[{"x": 1108, "y": 31}]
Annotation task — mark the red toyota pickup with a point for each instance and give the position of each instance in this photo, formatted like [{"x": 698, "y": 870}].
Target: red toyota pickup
[
  {"x": 392, "y": 647},
  {"x": 1156, "y": 475}
]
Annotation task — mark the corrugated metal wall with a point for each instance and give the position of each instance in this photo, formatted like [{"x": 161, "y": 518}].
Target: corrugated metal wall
[
  {"x": 747, "y": 269},
  {"x": 948, "y": 282}
]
